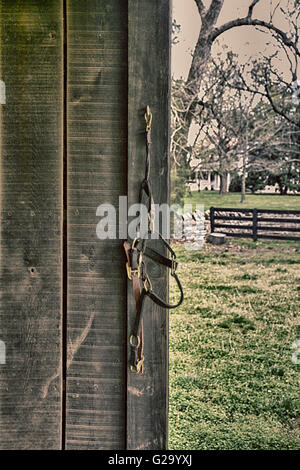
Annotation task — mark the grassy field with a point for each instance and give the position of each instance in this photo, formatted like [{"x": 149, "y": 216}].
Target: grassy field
[
  {"x": 258, "y": 201},
  {"x": 233, "y": 384}
]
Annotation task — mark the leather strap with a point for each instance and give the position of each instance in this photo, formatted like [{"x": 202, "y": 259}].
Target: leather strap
[
  {"x": 161, "y": 302},
  {"x": 137, "y": 335},
  {"x": 159, "y": 258},
  {"x": 136, "y": 268},
  {"x": 136, "y": 338}
]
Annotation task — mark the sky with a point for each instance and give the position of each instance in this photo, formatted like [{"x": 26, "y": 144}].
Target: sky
[{"x": 245, "y": 41}]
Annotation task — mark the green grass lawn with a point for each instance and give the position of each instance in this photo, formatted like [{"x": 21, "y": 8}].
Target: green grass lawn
[
  {"x": 233, "y": 384},
  {"x": 258, "y": 201}
]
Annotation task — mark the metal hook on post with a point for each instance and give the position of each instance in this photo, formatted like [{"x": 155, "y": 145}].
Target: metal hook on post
[{"x": 148, "y": 118}]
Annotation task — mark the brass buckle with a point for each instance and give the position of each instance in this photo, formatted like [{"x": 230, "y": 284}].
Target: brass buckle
[
  {"x": 132, "y": 272},
  {"x": 135, "y": 342},
  {"x": 173, "y": 266},
  {"x": 137, "y": 369},
  {"x": 147, "y": 283}
]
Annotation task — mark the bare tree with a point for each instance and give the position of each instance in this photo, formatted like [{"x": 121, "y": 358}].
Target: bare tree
[
  {"x": 209, "y": 32},
  {"x": 264, "y": 80},
  {"x": 239, "y": 132}
]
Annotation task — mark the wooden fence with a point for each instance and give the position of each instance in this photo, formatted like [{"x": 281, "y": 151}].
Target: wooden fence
[{"x": 256, "y": 223}]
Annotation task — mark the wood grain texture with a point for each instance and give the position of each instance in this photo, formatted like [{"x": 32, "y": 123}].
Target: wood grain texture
[
  {"x": 148, "y": 84},
  {"x": 105, "y": 407},
  {"x": 97, "y": 173},
  {"x": 30, "y": 199}
]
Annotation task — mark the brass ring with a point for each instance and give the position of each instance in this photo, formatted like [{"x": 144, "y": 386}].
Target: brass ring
[{"x": 138, "y": 342}]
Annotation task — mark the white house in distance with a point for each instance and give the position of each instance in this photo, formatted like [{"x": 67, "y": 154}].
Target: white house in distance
[{"x": 206, "y": 180}]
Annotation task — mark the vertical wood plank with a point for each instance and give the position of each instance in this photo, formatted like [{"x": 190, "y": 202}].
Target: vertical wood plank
[
  {"x": 97, "y": 173},
  {"x": 30, "y": 195},
  {"x": 148, "y": 84}
]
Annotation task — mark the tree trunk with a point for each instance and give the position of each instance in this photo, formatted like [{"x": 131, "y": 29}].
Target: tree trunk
[
  {"x": 201, "y": 54},
  {"x": 243, "y": 192},
  {"x": 282, "y": 187},
  {"x": 223, "y": 184},
  {"x": 243, "y": 189}
]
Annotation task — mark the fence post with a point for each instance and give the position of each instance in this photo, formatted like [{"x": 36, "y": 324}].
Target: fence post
[
  {"x": 254, "y": 225},
  {"x": 212, "y": 219}
]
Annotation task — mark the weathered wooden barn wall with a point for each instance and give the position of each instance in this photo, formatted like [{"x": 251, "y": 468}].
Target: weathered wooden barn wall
[
  {"x": 97, "y": 173},
  {"x": 31, "y": 204},
  {"x": 79, "y": 75}
]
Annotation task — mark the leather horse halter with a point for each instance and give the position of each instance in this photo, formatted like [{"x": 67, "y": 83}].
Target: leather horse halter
[{"x": 137, "y": 268}]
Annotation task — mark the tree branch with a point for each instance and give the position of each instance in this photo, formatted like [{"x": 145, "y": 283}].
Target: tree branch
[
  {"x": 253, "y": 22},
  {"x": 250, "y": 11},
  {"x": 201, "y": 8},
  {"x": 214, "y": 11},
  {"x": 277, "y": 110}
]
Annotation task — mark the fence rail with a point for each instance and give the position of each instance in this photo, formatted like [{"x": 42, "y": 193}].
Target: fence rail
[{"x": 249, "y": 223}]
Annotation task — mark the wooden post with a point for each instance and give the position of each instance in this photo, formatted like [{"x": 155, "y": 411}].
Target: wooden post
[
  {"x": 254, "y": 235},
  {"x": 212, "y": 219},
  {"x": 148, "y": 84},
  {"x": 31, "y": 215}
]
